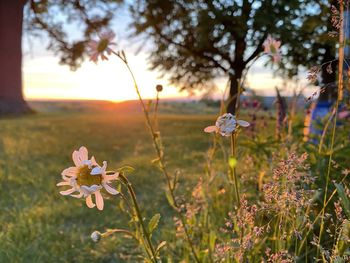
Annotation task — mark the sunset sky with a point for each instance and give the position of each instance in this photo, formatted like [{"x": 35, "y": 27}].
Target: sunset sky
[{"x": 44, "y": 78}]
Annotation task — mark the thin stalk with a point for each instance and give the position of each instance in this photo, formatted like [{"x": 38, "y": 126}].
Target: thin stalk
[
  {"x": 161, "y": 160},
  {"x": 233, "y": 145},
  {"x": 233, "y": 169},
  {"x": 118, "y": 230},
  {"x": 156, "y": 112},
  {"x": 324, "y": 132},
  {"x": 318, "y": 216},
  {"x": 341, "y": 52},
  {"x": 139, "y": 216},
  {"x": 209, "y": 178},
  {"x": 339, "y": 98},
  {"x": 327, "y": 178}
]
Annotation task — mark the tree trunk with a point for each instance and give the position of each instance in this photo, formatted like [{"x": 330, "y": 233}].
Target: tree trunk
[
  {"x": 234, "y": 79},
  {"x": 11, "y": 97}
]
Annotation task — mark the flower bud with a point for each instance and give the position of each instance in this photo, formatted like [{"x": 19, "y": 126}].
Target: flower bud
[
  {"x": 96, "y": 236},
  {"x": 159, "y": 88}
]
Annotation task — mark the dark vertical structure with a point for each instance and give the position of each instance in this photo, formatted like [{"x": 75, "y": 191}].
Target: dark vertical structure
[{"x": 11, "y": 19}]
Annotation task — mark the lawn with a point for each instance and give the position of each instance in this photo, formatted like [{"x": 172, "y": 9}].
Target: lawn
[{"x": 40, "y": 225}]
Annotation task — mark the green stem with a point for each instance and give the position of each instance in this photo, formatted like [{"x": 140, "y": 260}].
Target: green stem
[
  {"x": 156, "y": 112},
  {"x": 233, "y": 169},
  {"x": 139, "y": 216},
  {"x": 118, "y": 230},
  {"x": 339, "y": 98},
  {"x": 318, "y": 216},
  {"x": 161, "y": 159},
  {"x": 327, "y": 179}
]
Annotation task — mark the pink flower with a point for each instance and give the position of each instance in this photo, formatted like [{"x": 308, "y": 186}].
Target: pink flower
[
  {"x": 87, "y": 178},
  {"x": 344, "y": 114},
  {"x": 272, "y": 48},
  {"x": 226, "y": 124},
  {"x": 98, "y": 48}
]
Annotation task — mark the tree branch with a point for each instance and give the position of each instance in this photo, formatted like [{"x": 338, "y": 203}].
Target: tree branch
[
  {"x": 196, "y": 53},
  {"x": 257, "y": 50}
]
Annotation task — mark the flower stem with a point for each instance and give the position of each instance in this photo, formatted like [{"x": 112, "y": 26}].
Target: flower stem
[
  {"x": 139, "y": 216},
  {"x": 233, "y": 169},
  {"x": 118, "y": 230},
  {"x": 161, "y": 160},
  {"x": 339, "y": 98},
  {"x": 156, "y": 112},
  {"x": 318, "y": 216}
]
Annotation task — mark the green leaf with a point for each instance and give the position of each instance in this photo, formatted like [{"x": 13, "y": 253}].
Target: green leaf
[
  {"x": 343, "y": 240},
  {"x": 153, "y": 223},
  {"x": 212, "y": 239},
  {"x": 344, "y": 199},
  {"x": 170, "y": 199},
  {"x": 160, "y": 246}
]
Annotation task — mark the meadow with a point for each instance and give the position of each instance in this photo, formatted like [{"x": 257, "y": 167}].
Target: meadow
[
  {"x": 40, "y": 225},
  {"x": 232, "y": 181}
]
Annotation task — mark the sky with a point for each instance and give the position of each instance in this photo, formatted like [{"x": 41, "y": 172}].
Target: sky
[{"x": 44, "y": 78}]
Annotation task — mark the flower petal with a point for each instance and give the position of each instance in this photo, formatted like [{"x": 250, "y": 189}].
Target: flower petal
[
  {"x": 93, "y": 161},
  {"x": 80, "y": 195},
  {"x": 68, "y": 179},
  {"x": 94, "y": 57},
  {"x": 89, "y": 202},
  {"x": 211, "y": 129},
  {"x": 110, "y": 177},
  {"x": 243, "y": 123},
  {"x": 96, "y": 170},
  {"x": 99, "y": 200},
  {"x": 63, "y": 183},
  {"x": 71, "y": 171},
  {"x": 99, "y": 170},
  {"x": 83, "y": 153},
  {"x": 76, "y": 159},
  {"x": 110, "y": 189},
  {"x": 88, "y": 190},
  {"x": 68, "y": 192}
]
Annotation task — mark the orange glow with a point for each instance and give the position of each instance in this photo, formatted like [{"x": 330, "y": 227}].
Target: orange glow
[{"x": 109, "y": 80}]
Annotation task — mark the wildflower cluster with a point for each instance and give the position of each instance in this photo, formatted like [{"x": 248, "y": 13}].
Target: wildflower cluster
[
  {"x": 289, "y": 190},
  {"x": 275, "y": 225}
]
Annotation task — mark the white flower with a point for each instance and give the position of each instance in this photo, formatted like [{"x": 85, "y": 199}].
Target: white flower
[
  {"x": 96, "y": 236},
  {"x": 226, "y": 124},
  {"x": 272, "y": 48},
  {"x": 98, "y": 48},
  {"x": 87, "y": 178}
]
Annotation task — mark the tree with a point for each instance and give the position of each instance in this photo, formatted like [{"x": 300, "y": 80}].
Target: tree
[
  {"x": 50, "y": 16},
  {"x": 200, "y": 40},
  {"x": 11, "y": 98}
]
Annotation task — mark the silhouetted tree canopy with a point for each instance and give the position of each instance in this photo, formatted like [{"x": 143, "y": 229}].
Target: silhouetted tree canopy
[
  {"x": 194, "y": 41},
  {"x": 198, "y": 41},
  {"x": 57, "y": 17}
]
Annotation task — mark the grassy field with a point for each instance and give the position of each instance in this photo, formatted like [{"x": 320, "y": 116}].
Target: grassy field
[
  {"x": 37, "y": 224},
  {"x": 40, "y": 225}
]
